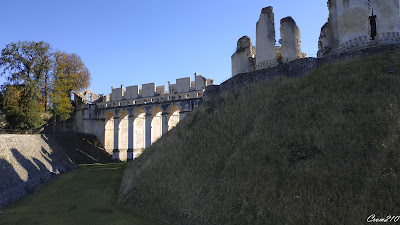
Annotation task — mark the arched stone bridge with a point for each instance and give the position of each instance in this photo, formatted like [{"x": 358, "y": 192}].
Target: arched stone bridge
[
  {"x": 128, "y": 130},
  {"x": 127, "y": 122}
]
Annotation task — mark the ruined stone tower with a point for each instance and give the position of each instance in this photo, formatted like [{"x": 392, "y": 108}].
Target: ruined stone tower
[
  {"x": 244, "y": 58},
  {"x": 290, "y": 40},
  {"x": 247, "y": 59},
  {"x": 354, "y": 24},
  {"x": 265, "y": 39}
]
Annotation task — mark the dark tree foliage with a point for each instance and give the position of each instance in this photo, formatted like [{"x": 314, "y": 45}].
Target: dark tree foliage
[
  {"x": 1, "y": 100},
  {"x": 25, "y": 65},
  {"x": 38, "y": 79}
]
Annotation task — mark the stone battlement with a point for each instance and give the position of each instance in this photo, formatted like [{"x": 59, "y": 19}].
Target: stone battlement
[{"x": 184, "y": 88}]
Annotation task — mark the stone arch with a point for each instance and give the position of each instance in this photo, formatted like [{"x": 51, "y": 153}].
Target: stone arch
[
  {"x": 173, "y": 116},
  {"x": 156, "y": 124},
  {"x": 109, "y": 132},
  {"x": 139, "y": 127},
  {"x": 123, "y": 130}
]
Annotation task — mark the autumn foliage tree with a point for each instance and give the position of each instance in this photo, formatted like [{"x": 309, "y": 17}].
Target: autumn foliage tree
[
  {"x": 39, "y": 79},
  {"x": 69, "y": 74}
]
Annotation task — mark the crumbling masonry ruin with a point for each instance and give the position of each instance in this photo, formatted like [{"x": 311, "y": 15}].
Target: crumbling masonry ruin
[
  {"x": 358, "y": 24},
  {"x": 266, "y": 54},
  {"x": 352, "y": 25}
]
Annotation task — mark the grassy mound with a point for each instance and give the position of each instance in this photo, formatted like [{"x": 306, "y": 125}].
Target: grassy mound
[{"x": 321, "y": 149}]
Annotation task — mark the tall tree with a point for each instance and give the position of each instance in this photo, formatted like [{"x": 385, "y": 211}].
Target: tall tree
[
  {"x": 69, "y": 74},
  {"x": 25, "y": 65},
  {"x": 38, "y": 77}
]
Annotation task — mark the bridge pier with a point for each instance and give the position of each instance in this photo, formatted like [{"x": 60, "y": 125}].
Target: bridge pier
[
  {"x": 129, "y": 154},
  {"x": 116, "y": 141},
  {"x": 148, "y": 118},
  {"x": 128, "y": 130},
  {"x": 165, "y": 122}
]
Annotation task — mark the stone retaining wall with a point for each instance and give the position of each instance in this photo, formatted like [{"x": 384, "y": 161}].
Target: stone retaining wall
[{"x": 27, "y": 162}]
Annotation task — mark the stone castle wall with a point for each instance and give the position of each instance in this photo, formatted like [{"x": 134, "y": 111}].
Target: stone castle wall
[
  {"x": 356, "y": 24},
  {"x": 296, "y": 68}
]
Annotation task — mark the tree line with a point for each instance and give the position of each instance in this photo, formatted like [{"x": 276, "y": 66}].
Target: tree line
[{"x": 39, "y": 83}]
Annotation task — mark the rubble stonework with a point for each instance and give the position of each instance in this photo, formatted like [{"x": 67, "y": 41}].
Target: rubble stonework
[
  {"x": 266, "y": 54},
  {"x": 357, "y": 24},
  {"x": 129, "y": 120},
  {"x": 244, "y": 57},
  {"x": 265, "y": 38},
  {"x": 290, "y": 40}
]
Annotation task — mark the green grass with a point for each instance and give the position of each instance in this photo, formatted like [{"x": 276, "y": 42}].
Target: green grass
[
  {"x": 320, "y": 149},
  {"x": 87, "y": 195}
]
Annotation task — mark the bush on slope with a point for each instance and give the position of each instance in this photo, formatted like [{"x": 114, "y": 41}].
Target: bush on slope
[{"x": 320, "y": 149}]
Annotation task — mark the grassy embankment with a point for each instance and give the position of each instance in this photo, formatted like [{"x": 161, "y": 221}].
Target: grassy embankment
[
  {"x": 321, "y": 149},
  {"x": 87, "y": 195}
]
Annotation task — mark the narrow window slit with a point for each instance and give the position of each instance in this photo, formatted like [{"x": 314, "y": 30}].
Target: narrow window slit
[{"x": 372, "y": 21}]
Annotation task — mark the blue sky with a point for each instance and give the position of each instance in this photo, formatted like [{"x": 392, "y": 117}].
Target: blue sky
[{"x": 136, "y": 42}]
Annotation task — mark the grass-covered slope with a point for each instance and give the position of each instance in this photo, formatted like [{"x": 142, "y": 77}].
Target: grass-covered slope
[{"x": 321, "y": 149}]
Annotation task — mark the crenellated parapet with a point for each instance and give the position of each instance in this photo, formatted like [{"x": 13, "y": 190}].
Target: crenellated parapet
[{"x": 184, "y": 88}]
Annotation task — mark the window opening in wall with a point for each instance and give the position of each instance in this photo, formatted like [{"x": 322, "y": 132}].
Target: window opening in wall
[
  {"x": 152, "y": 100},
  {"x": 89, "y": 97},
  {"x": 187, "y": 96},
  {"x": 145, "y": 101},
  {"x": 128, "y": 103},
  {"x": 179, "y": 97},
  {"x": 169, "y": 98},
  {"x": 372, "y": 22},
  {"x": 198, "y": 95},
  {"x": 134, "y": 102}
]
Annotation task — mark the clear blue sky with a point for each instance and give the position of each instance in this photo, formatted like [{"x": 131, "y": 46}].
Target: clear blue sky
[{"x": 135, "y": 42}]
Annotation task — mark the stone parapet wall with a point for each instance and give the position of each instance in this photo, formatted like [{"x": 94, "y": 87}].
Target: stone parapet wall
[
  {"x": 366, "y": 42},
  {"x": 148, "y": 100}
]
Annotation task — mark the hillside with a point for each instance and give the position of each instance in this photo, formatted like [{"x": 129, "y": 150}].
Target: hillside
[{"x": 320, "y": 149}]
